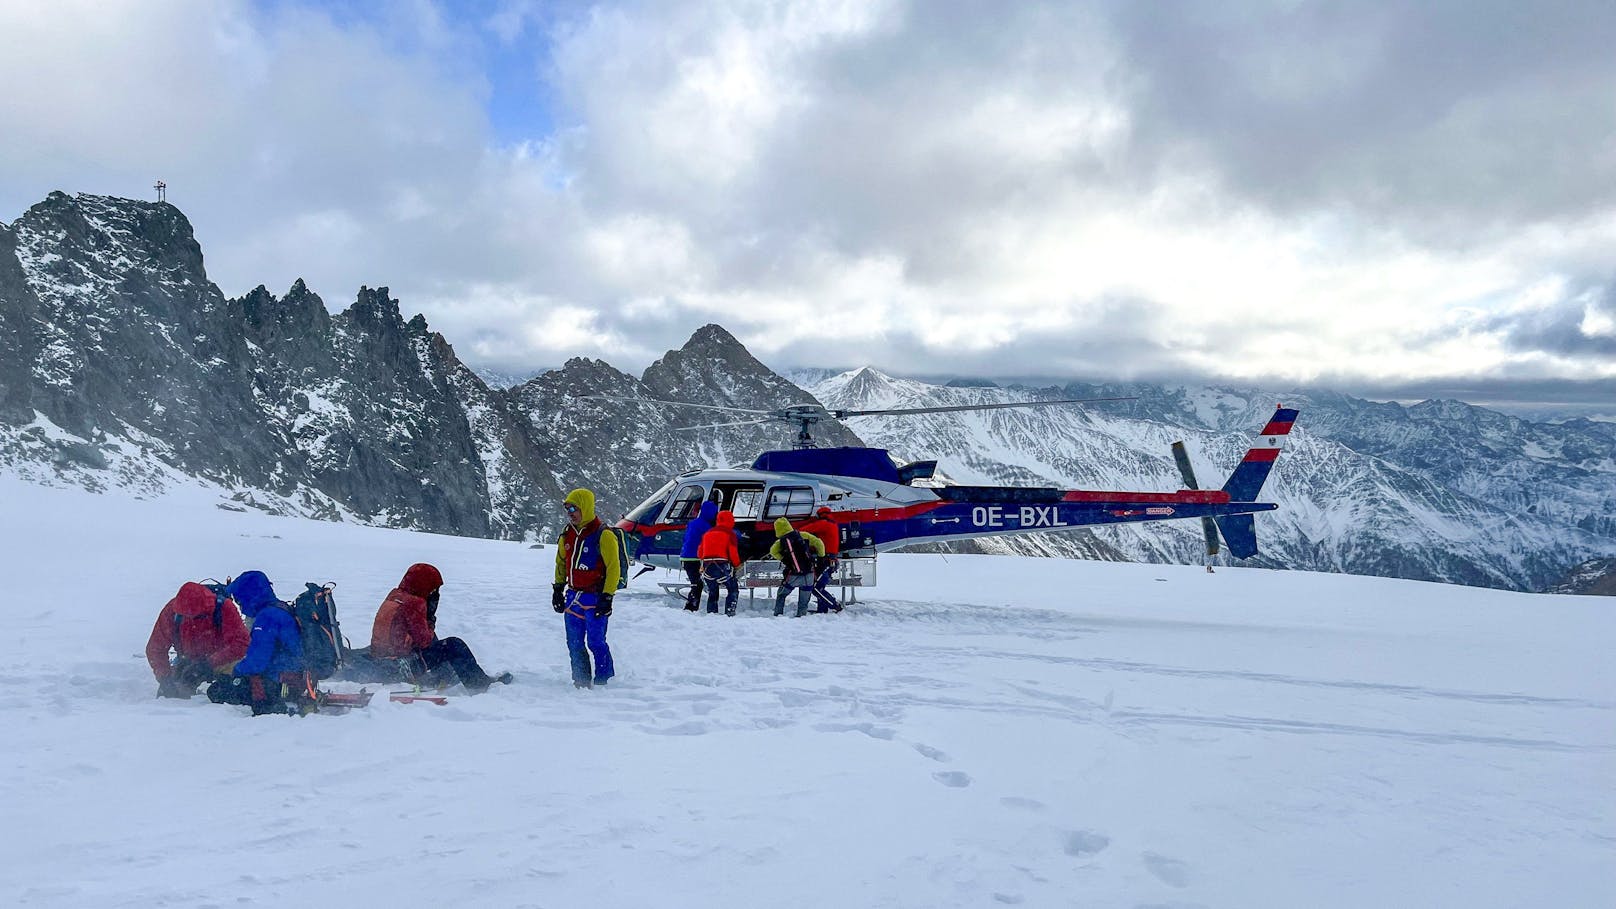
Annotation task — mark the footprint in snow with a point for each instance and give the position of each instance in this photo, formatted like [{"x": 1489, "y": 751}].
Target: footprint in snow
[
  {"x": 1084, "y": 842},
  {"x": 1169, "y": 871},
  {"x": 1022, "y": 802},
  {"x": 953, "y": 779},
  {"x": 933, "y": 753}
]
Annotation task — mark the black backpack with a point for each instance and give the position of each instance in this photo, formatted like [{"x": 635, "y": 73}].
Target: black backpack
[
  {"x": 796, "y": 556},
  {"x": 324, "y": 650}
]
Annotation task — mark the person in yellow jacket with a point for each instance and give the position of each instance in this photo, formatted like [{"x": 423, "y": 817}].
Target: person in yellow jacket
[
  {"x": 798, "y": 553},
  {"x": 586, "y": 575}
]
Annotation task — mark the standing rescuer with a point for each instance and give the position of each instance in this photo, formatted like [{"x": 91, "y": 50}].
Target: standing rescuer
[
  {"x": 824, "y": 527},
  {"x": 586, "y": 575}
]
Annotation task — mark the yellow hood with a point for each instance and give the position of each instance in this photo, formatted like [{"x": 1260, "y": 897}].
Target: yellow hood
[
  {"x": 781, "y": 527},
  {"x": 584, "y": 500}
]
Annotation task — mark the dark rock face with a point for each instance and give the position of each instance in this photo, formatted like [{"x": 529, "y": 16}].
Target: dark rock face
[
  {"x": 1595, "y": 577},
  {"x": 715, "y": 369},
  {"x": 122, "y": 365},
  {"x": 111, "y": 330}
]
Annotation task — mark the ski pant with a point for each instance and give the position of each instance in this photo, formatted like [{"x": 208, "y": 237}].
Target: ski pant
[
  {"x": 804, "y": 584},
  {"x": 827, "y": 571},
  {"x": 717, "y": 573},
  {"x": 455, "y": 653},
  {"x": 693, "y": 572},
  {"x": 586, "y": 635}
]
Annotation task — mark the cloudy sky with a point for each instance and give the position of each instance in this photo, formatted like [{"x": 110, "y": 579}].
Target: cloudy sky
[{"x": 1399, "y": 197}]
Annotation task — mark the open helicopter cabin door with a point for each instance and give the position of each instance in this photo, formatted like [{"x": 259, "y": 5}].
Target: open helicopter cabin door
[{"x": 742, "y": 499}]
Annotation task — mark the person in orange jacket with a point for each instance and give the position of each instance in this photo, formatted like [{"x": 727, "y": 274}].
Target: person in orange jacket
[
  {"x": 206, "y": 632},
  {"x": 720, "y": 555},
  {"x": 406, "y": 629}
]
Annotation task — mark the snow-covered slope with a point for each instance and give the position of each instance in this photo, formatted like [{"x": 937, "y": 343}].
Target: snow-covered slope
[
  {"x": 1340, "y": 509},
  {"x": 979, "y": 731}
]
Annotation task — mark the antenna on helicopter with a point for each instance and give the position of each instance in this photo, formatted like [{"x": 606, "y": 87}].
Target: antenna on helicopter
[{"x": 806, "y": 415}]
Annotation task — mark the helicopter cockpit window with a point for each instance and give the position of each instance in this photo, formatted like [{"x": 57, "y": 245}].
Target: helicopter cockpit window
[
  {"x": 686, "y": 504},
  {"x": 789, "y": 502}
]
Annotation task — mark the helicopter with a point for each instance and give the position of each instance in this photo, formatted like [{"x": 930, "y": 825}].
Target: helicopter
[{"x": 877, "y": 505}]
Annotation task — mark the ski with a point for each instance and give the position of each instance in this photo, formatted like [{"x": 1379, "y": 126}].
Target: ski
[
  {"x": 410, "y": 697},
  {"x": 345, "y": 698}
]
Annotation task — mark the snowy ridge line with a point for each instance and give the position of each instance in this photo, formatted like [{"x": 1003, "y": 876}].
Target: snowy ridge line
[{"x": 1339, "y": 509}]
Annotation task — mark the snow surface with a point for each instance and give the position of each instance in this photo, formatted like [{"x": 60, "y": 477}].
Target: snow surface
[{"x": 979, "y": 731}]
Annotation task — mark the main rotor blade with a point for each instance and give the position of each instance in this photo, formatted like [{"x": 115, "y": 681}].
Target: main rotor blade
[
  {"x": 676, "y": 403},
  {"x": 840, "y": 414},
  {"x": 1209, "y": 527},
  {"x": 717, "y": 425},
  {"x": 1181, "y": 457}
]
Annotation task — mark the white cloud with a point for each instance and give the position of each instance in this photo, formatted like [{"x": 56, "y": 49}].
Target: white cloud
[{"x": 919, "y": 185}]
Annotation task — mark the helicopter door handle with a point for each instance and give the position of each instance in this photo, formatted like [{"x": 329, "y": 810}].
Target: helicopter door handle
[{"x": 945, "y": 520}]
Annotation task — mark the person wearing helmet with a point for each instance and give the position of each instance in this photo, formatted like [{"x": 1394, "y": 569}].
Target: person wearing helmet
[
  {"x": 406, "y": 631},
  {"x": 798, "y": 552},
  {"x": 586, "y": 576}
]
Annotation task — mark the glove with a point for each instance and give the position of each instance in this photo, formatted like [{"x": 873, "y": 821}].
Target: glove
[
  {"x": 558, "y": 599},
  {"x": 173, "y": 688},
  {"x": 603, "y": 606}
]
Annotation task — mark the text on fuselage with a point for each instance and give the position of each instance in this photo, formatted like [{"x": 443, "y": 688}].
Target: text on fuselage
[{"x": 1024, "y": 516}]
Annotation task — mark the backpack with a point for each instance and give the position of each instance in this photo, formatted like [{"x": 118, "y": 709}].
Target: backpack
[
  {"x": 324, "y": 649},
  {"x": 622, "y": 554},
  {"x": 796, "y": 556}
]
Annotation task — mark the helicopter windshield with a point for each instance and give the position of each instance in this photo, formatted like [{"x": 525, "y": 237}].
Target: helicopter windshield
[{"x": 646, "y": 511}]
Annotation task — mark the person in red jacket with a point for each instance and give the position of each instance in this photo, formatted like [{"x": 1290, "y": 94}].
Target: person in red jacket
[
  {"x": 405, "y": 630},
  {"x": 720, "y": 555},
  {"x": 206, "y": 634},
  {"x": 823, "y": 525}
]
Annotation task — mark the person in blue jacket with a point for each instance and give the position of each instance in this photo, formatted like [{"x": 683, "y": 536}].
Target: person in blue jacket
[
  {"x": 274, "y": 660},
  {"x": 688, "y": 557}
]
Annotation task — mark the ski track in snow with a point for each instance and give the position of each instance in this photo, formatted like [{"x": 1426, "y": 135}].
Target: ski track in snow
[{"x": 979, "y": 731}]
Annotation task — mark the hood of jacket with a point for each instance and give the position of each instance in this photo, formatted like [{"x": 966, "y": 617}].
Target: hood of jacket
[
  {"x": 584, "y": 501},
  {"x": 421, "y": 579},
  {"x": 193, "y": 600},
  {"x": 252, "y": 592},
  {"x": 781, "y": 527},
  {"x": 724, "y": 521}
]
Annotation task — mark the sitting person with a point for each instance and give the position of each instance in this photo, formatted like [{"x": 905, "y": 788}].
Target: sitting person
[
  {"x": 720, "y": 555},
  {"x": 207, "y": 635},
  {"x": 270, "y": 677},
  {"x": 405, "y": 630}
]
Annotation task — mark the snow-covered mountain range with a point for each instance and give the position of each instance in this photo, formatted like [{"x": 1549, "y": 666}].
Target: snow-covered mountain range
[
  {"x": 1440, "y": 491},
  {"x": 122, "y": 365}
]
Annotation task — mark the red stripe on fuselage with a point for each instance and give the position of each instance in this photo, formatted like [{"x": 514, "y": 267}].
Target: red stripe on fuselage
[
  {"x": 1262, "y": 454},
  {"x": 1182, "y": 497}
]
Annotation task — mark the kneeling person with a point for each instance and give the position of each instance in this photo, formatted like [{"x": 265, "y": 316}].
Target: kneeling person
[
  {"x": 207, "y": 635},
  {"x": 405, "y": 629},
  {"x": 270, "y": 677}
]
